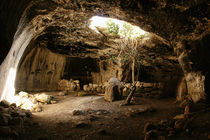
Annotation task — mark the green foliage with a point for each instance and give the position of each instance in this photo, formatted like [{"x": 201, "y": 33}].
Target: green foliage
[
  {"x": 127, "y": 30},
  {"x": 112, "y": 27}
]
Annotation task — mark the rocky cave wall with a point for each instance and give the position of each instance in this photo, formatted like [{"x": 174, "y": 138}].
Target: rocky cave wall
[
  {"x": 159, "y": 64},
  {"x": 42, "y": 69},
  {"x": 90, "y": 70}
]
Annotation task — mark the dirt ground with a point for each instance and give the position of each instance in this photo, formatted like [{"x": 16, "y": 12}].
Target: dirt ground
[{"x": 92, "y": 118}]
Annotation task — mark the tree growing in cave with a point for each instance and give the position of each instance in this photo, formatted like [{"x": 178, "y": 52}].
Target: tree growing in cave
[{"x": 128, "y": 49}]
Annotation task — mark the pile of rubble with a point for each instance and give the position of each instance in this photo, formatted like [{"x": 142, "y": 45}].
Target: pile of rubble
[
  {"x": 69, "y": 85},
  {"x": 12, "y": 120},
  {"x": 166, "y": 129},
  {"x": 182, "y": 124},
  {"x": 74, "y": 85},
  {"x": 34, "y": 102},
  {"x": 144, "y": 89},
  {"x": 94, "y": 87}
]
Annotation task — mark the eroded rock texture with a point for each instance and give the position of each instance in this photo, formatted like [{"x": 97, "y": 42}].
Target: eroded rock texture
[
  {"x": 40, "y": 71},
  {"x": 62, "y": 26}
]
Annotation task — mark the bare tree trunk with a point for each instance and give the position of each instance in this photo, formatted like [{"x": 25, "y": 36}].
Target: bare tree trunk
[
  {"x": 133, "y": 70},
  {"x": 128, "y": 99},
  {"x": 138, "y": 69}
]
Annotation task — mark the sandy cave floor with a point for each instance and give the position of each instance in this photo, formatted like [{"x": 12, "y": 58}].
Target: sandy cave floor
[{"x": 97, "y": 119}]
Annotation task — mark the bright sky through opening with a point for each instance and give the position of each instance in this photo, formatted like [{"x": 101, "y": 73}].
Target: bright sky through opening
[{"x": 97, "y": 21}]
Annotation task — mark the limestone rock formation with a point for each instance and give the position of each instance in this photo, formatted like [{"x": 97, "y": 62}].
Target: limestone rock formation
[
  {"x": 113, "y": 90},
  {"x": 40, "y": 71}
]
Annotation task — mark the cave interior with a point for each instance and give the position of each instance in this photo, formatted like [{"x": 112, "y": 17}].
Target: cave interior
[{"x": 65, "y": 76}]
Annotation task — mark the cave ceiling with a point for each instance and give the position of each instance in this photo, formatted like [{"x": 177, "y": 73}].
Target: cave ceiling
[{"x": 63, "y": 25}]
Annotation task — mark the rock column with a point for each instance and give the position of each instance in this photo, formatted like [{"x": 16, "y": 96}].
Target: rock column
[{"x": 194, "y": 78}]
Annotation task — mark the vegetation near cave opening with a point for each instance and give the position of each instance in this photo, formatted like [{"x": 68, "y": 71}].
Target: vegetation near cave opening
[{"x": 130, "y": 39}]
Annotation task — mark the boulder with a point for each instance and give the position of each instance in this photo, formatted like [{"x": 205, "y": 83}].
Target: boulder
[
  {"x": 44, "y": 98},
  {"x": 4, "y": 103},
  {"x": 85, "y": 87},
  {"x": 37, "y": 108},
  {"x": 23, "y": 94},
  {"x": 77, "y": 87},
  {"x": 63, "y": 84},
  {"x": 103, "y": 88},
  {"x": 72, "y": 87},
  {"x": 99, "y": 89},
  {"x": 88, "y": 89},
  {"x": 113, "y": 90},
  {"x": 76, "y": 81},
  {"x": 91, "y": 86},
  {"x": 95, "y": 86},
  {"x": 53, "y": 102}
]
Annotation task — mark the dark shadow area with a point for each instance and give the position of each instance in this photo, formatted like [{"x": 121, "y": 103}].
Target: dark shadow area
[
  {"x": 4, "y": 44},
  {"x": 80, "y": 69}
]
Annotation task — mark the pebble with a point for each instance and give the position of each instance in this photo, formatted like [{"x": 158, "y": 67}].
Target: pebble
[
  {"x": 178, "y": 117},
  {"x": 53, "y": 102},
  {"x": 98, "y": 113}
]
